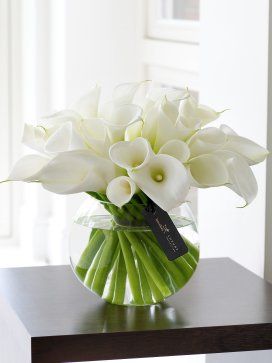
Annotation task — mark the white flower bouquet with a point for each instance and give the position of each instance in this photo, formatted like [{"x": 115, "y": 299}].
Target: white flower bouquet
[{"x": 147, "y": 144}]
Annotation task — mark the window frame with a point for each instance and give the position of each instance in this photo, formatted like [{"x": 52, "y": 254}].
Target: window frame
[{"x": 169, "y": 29}]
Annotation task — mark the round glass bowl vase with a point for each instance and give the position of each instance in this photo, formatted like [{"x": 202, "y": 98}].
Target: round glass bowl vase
[{"x": 116, "y": 255}]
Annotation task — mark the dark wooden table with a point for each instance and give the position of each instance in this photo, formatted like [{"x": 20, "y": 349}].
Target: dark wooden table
[{"x": 46, "y": 316}]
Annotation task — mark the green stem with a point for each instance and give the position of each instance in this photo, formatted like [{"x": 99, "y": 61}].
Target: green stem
[
  {"x": 169, "y": 281},
  {"x": 190, "y": 260},
  {"x": 105, "y": 263},
  {"x": 146, "y": 292},
  {"x": 176, "y": 273},
  {"x": 156, "y": 293},
  {"x": 121, "y": 278},
  {"x": 133, "y": 276},
  {"x": 111, "y": 289},
  {"x": 93, "y": 267},
  {"x": 86, "y": 258},
  {"x": 137, "y": 245}
]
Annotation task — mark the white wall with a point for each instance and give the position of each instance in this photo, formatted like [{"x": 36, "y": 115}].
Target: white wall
[
  {"x": 233, "y": 74},
  {"x": 102, "y": 44}
]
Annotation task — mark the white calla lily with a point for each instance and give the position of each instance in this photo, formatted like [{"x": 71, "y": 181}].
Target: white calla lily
[
  {"x": 77, "y": 171},
  {"x": 161, "y": 124},
  {"x": 195, "y": 115},
  {"x": 64, "y": 138},
  {"x": 53, "y": 122},
  {"x": 170, "y": 109},
  {"x": 176, "y": 148},
  {"x": 241, "y": 178},
  {"x": 208, "y": 170},
  {"x": 207, "y": 140},
  {"x": 157, "y": 128},
  {"x": 134, "y": 130},
  {"x": 137, "y": 93},
  {"x": 87, "y": 105},
  {"x": 120, "y": 190},
  {"x": 131, "y": 154},
  {"x": 124, "y": 93},
  {"x": 55, "y": 133},
  {"x": 94, "y": 134},
  {"x": 27, "y": 168},
  {"x": 227, "y": 130},
  {"x": 251, "y": 151},
  {"x": 118, "y": 118},
  {"x": 243, "y": 181},
  {"x": 34, "y": 137},
  {"x": 164, "y": 180}
]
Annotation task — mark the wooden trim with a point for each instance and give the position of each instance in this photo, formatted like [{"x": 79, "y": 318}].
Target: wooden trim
[{"x": 268, "y": 215}]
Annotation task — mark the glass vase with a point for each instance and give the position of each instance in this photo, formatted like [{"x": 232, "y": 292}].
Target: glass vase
[{"x": 115, "y": 254}]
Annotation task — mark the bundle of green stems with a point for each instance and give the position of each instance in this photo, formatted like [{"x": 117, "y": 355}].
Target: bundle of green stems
[{"x": 125, "y": 265}]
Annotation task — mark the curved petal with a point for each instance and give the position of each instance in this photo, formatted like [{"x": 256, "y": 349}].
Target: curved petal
[
  {"x": 131, "y": 154},
  {"x": 87, "y": 105},
  {"x": 164, "y": 179},
  {"x": 94, "y": 133},
  {"x": 77, "y": 171},
  {"x": 151, "y": 122},
  {"x": 60, "y": 140},
  {"x": 34, "y": 137},
  {"x": 27, "y": 168},
  {"x": 157, "y": 128},
  {"x": 251, "y": 151},
  {"x": 176, "y": 148},
  {"x": 188, "y": 106},
  {"x": 241, "y": 178},
  {"x": 125, "y": 115},
  {"x": 120, "y": 190},
  {"x": 124, "y": 93},
  {"x": 52, "y": 122},
  {"x": 117, "y": 118},
  {"x": 206, "y": 140},
  {"x": 209, "y": 170},
  {"x": 193, "y": 112},
  {"x": 206, "y": 114},
  {"x": 243, "y": 181},
  {"x": 65, "y": 138},
  {"x": 243, "y": 146},
  {"x": 170, "y": 109},
  {"x": 134, "y": 130},
  {"x": 227, "y": 130}
]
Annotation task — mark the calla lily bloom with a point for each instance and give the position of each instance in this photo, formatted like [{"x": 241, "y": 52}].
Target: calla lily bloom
[
  {"x": 176, "y": 148},
  {"x": 158, "y": 128},
  {"x": 208, "y": 170},
  {"x": 251, "y": 151},
  {"x": 131, "y": 154},
  {"x": 27, "y": 168},
  {"x": 87, "y": 105},
  {"x": 164, "y": 180},
  {"x": 55, "y": 133},
  {"x": 120, "y": 190},
  {"x": 73, "y": 172},
  {"x": 195, "y": 115},
  {"x": 241, "y": 178},
  {"x": 147, "y": 137},
  {"x": 206, "y": 140},
  {"x": 95, "y": 136},
  {"x": 118, "y": 118}
]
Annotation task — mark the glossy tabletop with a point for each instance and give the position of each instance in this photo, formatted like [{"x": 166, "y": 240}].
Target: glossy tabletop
[{"x": 223, "y": 308}]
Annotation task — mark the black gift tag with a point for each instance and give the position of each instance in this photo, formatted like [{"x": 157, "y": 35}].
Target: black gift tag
[{"x": 165, "y": 231}]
